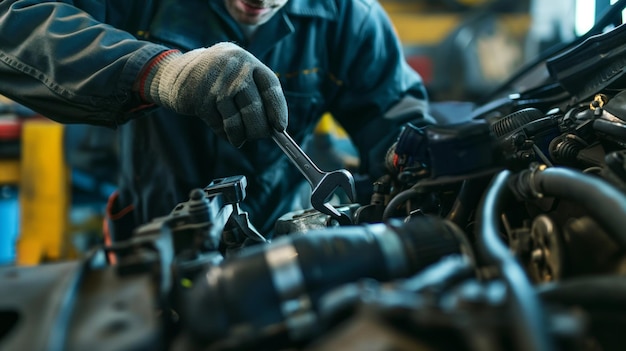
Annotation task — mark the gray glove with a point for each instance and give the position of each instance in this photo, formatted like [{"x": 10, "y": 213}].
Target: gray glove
[{"x": 226, "y": 86}]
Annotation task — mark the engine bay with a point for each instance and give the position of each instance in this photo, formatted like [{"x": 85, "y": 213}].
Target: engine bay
[{"x": 506, "y": 231}]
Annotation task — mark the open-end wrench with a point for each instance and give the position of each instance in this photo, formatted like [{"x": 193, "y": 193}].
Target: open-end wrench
[{"x": 323, "y": 184}]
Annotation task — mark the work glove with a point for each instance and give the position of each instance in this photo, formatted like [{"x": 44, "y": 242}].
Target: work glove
[{"x": 230, "y": 89}]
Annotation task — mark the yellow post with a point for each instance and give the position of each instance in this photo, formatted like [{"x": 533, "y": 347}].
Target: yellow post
[
  {"x": 9, "y": 171},
  {"x": 44, "y": 194}
]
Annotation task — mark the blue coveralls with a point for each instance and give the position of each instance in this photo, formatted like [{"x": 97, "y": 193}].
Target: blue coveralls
[{"x": 339, "y": 56}]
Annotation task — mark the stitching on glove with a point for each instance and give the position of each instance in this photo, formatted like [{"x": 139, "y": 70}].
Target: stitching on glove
[{"x": 149, "y": 71}]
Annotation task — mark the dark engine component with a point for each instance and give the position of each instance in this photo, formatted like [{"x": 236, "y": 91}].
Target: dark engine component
[
  {"x": 272, "y": 292},
  {"x": 444, "y": 151}
]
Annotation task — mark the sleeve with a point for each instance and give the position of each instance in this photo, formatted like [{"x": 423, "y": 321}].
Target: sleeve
[
  {"x": 59, "y": 61},
  {"x": 375, "y": 77}
]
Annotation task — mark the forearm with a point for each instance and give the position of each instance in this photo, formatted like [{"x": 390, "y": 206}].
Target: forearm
[{"x": 59, "y": 61}]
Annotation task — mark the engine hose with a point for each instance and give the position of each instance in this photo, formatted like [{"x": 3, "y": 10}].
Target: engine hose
[
  {"x": 604, "y": 203},
  {"x": 606, "y": 292},
  {"x": 269, "y": 294},
  {"x": 398, "y": 200},
  {"x": 467, "y": 200},
  {"x": 531, "y": 331},
  {"x": 517, "y": 119}
]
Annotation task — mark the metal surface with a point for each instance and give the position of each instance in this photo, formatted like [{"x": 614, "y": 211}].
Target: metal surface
[
  {"x": 323, "y": 184},
  {"x": 33, "y": 295},
  {"x": 233, "y": 191}
]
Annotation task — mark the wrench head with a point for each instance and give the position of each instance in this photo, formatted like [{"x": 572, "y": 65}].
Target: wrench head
[{"x": 331, "y": 181}]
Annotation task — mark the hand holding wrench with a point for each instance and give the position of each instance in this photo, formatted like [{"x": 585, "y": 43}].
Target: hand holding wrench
[{"x": 323, "y": 184}]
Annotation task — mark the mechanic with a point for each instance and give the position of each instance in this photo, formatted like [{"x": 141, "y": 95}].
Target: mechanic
[{"x": 242, "y": 66}]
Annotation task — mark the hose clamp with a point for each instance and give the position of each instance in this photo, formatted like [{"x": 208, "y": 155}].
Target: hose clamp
[
  {"x": 288, "y": 280},
  {"x": 392, "y": 248},
  {"x": 534, "y": 169}
]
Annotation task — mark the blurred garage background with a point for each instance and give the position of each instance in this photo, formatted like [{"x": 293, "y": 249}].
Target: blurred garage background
[{"x": 55, "y": 180}]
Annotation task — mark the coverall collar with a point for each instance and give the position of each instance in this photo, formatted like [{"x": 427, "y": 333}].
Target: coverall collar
[
  {"x": 280, "y": 26},
  {"x": 326, "y": 9}
]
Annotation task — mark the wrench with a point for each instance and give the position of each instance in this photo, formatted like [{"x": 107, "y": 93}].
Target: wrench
[{"x": 323, "y": 184}]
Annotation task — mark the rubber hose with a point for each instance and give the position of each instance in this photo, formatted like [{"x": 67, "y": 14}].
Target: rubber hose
[
  {"x": 398, "y": 200},
  {"x": 467, "y": 200},
  {"x": 517, "y": 119},
  {"x": 596, "y": 292},
  {"x": 605, "y": 203},
  {"x": 268, "y": 295},
  {"x": 531, "y": 331}
]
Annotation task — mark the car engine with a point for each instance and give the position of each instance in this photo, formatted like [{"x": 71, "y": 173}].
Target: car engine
[{"x": 505, "y": 230}]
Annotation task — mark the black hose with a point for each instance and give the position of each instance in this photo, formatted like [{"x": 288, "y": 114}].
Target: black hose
[
  {"x": 515, "y": 120},
  {"x": 604, "y": 203},
  {"x": 605, "y": 292},
  {"x": 398, "y": 200},
  {"x": 269, "y": 295},
  {"x": 467, "y": 200},
  {"x": 531, "y": 331}
]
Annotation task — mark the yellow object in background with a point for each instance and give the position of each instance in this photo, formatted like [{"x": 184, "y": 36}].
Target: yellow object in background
[
  {"x": 44, "y": 195},
  {"x": 328, "y": 125},
  {"x": 9, "y": 171},
  {"x": 332, "y": 148}
]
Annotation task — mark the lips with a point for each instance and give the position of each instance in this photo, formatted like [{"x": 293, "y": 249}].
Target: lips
[
  {"x": 253, "y": 4},
  {"x": 252, "y": 9}
]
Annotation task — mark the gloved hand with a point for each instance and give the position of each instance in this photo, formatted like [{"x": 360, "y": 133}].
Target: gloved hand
[{"x": 226, "y": 86}]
